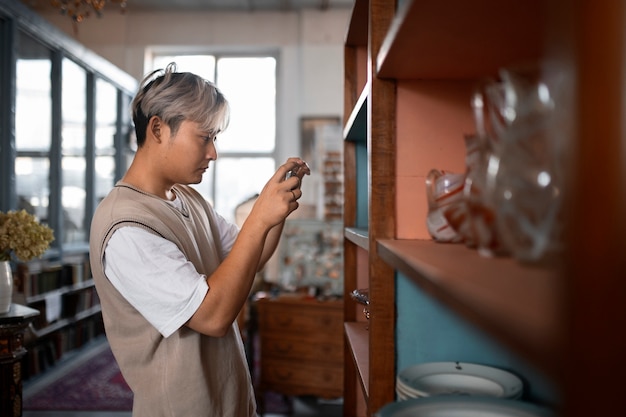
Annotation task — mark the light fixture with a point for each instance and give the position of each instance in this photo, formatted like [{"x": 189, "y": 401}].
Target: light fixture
[{"x": 78, "y": 10}]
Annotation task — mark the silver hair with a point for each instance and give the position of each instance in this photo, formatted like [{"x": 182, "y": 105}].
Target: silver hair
[{"x": 178, "y": 96}]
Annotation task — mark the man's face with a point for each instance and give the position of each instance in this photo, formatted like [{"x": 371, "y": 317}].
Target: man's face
[{"x": 189, "y": 152}]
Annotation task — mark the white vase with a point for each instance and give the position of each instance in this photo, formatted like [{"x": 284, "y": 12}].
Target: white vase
[{"x": 6, "y": 286}]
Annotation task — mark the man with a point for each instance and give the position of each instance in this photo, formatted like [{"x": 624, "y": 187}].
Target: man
[{"x": 172, "y": 274}]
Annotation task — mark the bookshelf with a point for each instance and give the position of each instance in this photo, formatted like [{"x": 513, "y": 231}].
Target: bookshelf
[{"x": 63, "y": 292}]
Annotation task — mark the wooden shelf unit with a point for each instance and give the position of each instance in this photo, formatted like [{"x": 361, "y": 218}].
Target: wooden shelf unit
[
  {"x": 422, "y": 61},
  {"x": 376, "y": 379},
  {"x": 62, "y": 290}
]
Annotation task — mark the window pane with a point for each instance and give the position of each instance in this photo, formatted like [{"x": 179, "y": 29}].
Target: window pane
[
  {"x": 106, "y": 119},
  {"x": 249, "y": 84},
  {"x": 33, "y": 126},
  {"x": 73, "y": 163},
  {"x": 33, "y": 191},
  {"x": 106, "y": 115},
  {"x": 74, "y": 108},
  {"x": 73, "y": 199},
  {"x": 105, "y": 176},
  {"x": 33, "y": 105},
  {"x": 238, "y": 179}
]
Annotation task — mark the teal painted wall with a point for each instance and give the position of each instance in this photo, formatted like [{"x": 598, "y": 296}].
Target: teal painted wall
[
  {"x": 426, "y": 331},
  {"x": 362, "y": 185}
]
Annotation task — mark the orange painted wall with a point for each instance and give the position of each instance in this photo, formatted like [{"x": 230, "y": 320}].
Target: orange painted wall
[{"x": 433, "y": 118}]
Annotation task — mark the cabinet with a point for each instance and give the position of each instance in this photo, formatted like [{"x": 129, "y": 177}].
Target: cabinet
[
  {"x": 301, "y": 346},
  {"x": 409, "y": 72},
  {"x": 12, "y": 327}
]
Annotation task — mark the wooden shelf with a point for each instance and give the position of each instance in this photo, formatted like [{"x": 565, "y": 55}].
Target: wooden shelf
[
  {"x": 67, "y": 321},
  {"x": 517, "y": 304},
  {"x": 357, "y": 30},
  {"x": 369, "y": 160},
  {"x": 459, "y": 39},
  {"x": 63, "y": 290},
  {"x": 357, "y": 336},
  {"x": 357, "y": 236}
]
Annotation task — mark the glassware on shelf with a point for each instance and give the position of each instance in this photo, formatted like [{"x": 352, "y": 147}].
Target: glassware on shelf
[
  {"x": 509, "y": 200},
  {"x": 445, "y": 198},
  {"x": 481, "y": 212},
  {"x": 524, "y": 177}
]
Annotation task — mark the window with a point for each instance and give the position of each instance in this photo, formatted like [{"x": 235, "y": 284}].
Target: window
[
  {"x": 56, "y": 163},
  {"x": 73, "y": 162},
  {"x": 246, "y": 149},
  {"x": 33, "y": 126}
]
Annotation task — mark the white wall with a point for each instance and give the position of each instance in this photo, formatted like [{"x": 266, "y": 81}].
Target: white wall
[{"x": 309, "y": 45}]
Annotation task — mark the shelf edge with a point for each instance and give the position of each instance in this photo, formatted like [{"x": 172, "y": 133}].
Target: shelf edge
[
  {"x": 356, "y": 126},
  {"x": 358, "y": 236},
  {"x": 357, "y": 337}
]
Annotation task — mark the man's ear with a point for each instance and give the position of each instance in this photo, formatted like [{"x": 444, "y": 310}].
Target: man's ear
[{"x": 154, "y": 127}]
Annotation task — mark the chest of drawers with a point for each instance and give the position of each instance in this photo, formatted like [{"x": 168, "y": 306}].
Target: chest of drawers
[{"x": 301, "y": 346}]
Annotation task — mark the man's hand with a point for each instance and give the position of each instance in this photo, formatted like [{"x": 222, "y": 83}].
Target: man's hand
[{"x": 280, "y": 195}]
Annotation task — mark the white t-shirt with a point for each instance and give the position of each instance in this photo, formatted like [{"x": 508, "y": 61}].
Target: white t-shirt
[{"x": 141, "y": 266}]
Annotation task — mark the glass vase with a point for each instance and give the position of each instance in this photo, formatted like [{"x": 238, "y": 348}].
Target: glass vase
[{"x": 6, "y": 286}]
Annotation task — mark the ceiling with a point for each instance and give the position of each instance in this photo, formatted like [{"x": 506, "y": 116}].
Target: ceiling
[{"x": 213, "y": 5}]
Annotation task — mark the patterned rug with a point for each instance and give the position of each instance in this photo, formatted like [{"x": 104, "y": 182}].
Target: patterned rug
[
  {"x": 93, "y": 382},
  {"x": 96, "y": 384}
]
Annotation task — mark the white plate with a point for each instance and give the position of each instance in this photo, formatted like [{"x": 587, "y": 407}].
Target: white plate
[
  {"x": 402, "y": 397},
  {"x": 462, "y": 406},
  {"x": 407, "y": 392},
  {"x": 435, "y": 378}
]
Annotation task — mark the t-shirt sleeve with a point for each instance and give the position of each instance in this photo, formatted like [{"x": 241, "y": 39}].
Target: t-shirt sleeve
[
  {"x": 154, "y": 276},
  {"x": 228, "y": 233}
]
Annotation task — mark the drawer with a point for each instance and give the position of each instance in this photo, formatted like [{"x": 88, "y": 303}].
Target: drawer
[
  {"x": 274, "y": 317},
  {"x": 319, "y": 335},
  {"x": 315, "y": 349},
  {"x": 301, "y": 378}
]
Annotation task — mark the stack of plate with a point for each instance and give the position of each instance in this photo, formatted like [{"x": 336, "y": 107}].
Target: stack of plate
[
  {"x": 436, "y": 378},
  {"x": 462, "y": 406}
]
